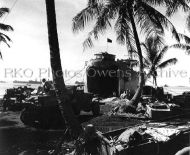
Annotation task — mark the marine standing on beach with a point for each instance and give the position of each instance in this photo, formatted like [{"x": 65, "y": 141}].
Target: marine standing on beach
[{"x": 47, "y": 86}]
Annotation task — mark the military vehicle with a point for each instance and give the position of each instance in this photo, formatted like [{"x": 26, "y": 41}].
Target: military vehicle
[
  {"x": 12, "y": 100},
  {"x": 42, "y": 110}
]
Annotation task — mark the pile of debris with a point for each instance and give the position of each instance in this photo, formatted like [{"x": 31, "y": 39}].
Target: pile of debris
[
  {"x": 140, "y": 139},
  {"x": 141, "y": 135}
]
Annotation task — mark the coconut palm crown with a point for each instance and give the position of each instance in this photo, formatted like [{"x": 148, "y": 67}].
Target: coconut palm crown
[
  {"x": 155, "y": 50},
  {"x": 129, "y": 18},
  {"x": 185, "y": 45}
]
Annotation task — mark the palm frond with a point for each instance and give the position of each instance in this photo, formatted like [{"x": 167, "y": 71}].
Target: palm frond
[
  {"x": 185, "y": 47},
  {"x": 153, "y": 47},
  {"x": 7, "y": 37},
  {"x": 88, "y": 43},
  {"x": 158, "y": 19},
  {"x": 147, "y": 64},
  {"x": 145, "y": 51},
  {"x": 3, "y": 11},
  {"x": 5, "y": 27},
  {"x": 158, "y": 41},
  {"x": 148, "y": 24},
  {"x": 121, "y": 26},
  {"x": 155, "y": 33},
  {"x": 124, "y": 31},
  {"x": 185, "y": 37},
  {"x": 161, "y": 54},
  {"x": 144, "y": 47},
  {"x": 1, "y": 57},
  {"x": 98, "y": 10},
  {"x": 166, "y": 63},
  {"x": 146, "y": 59},
  {"x": 4, "y": 39},
  {"x": 131, "y": 46},
  {"x": 100, "y": 27},
  {"x": 188, "y": 22},
  {"x": 101, "y": 12},
  {"x": 84, "y": 17},
  {"x": 181, "y": 46},
  {"x": 174, "y": 5},
  {"x": 94, "y": 2},
  {"x": 154, "y": 2},
  {"x": 154, "y": 52},
  {"x": 113, "y": 7},
  {"x": 103, "y": 22}
]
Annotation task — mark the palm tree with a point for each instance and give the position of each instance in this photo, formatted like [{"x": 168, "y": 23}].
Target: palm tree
[
  {"x": 155, "y": 51},
  {"x": 127, "y": 16},
  {"x": 184, "y": 46},
  {"x": 184, "y": 37},
  {"x": 3, "y": 27},
  {"x": 61, "y": 91}
]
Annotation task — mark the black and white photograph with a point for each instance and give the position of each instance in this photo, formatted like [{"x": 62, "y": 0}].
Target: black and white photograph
[{"x": 94, "y": 77}]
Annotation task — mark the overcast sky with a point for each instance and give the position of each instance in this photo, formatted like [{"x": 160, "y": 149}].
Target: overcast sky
[{"x": 30, "y": 42}]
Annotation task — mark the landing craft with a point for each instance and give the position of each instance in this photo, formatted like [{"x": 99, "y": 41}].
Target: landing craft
[{"x": 106, "y": 76}]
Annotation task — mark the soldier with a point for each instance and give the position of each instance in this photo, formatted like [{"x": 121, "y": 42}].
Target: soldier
[
  {"x": 6, "y": 102},
  {"x": 47, "y": 86}
]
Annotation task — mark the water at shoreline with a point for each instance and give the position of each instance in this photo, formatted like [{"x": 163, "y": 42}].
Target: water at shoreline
[
  {"x": 174, "y": 90},
  {"x": 4, "y": 86}
]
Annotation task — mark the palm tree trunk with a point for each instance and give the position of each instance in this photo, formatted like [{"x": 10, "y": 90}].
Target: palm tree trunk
[
  {"x": 134, "y": 101},
  {"x": 61, "y": 91}
]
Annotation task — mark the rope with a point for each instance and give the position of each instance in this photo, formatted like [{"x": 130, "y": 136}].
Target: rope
[{"x": 75, "y": 75}]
